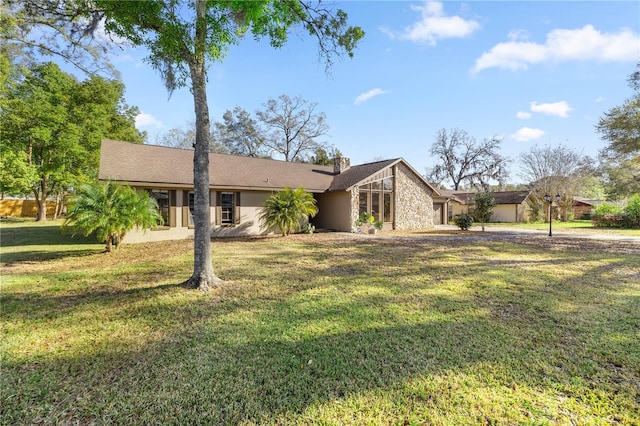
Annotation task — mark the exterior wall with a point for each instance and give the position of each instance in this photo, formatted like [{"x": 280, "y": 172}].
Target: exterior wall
[
  {"x": 334, "y": 211},
  {"x": 250, "y": 207},
  {"x": 165, "y": 232},
  {"x": 505, "y": 213},
  {"x": 251, "y": 203},
  {"x": 458, "y": 208},
  {"x": 23, "y": 208},
  {"x": 413, "y": 201},
  {"x": 438, "y": 210},
  {"x": 579, "y": 210}
]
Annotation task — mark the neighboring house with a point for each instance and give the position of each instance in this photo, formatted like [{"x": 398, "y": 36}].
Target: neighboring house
[
  {"x": 511, "y": 206},
  {"x": 391, "y": 190},
  {"x": 583, "y": 207}
]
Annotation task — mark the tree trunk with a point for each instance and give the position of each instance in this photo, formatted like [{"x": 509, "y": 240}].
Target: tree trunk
[
  {"x": 203, "y": 277},
  {"x": 41, "y": 202}
]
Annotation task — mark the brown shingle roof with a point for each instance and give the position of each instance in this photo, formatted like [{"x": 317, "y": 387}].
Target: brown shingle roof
[
  {"x": 137, "y": 163},
  {"x": 353, "y": 175}
]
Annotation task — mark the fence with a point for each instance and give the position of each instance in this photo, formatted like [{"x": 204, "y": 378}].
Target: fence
[{"x": 23, "y": 208}]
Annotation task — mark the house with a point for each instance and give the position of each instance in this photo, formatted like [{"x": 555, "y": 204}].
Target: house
[
  {"x": 582, "y": 207},
  {"x": 391, "y": 190},
  {"x": 511, "y": 206}
]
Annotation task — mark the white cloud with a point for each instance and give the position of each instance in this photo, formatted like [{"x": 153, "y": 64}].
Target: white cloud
[
  {"x": 559, "y": 109},
  {"x": 527, "y": 134},
  {"x": 562, "y": 45},
  {"x": 523, "y": 115},
  {"x": 368, "y": 95},
  {"x": 435, "y": 24},
  {"x": 147, "y": 120},
  {"x": 599, "y": 99}
]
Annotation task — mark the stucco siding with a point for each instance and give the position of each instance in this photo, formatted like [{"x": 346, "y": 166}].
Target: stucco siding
[
  {"x": 413, "y": 203},
  {"x": 251, "y": 203},
  {"x": 334, "y": 211}
]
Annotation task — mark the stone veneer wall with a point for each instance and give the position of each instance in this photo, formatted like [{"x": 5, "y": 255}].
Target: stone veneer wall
[
  {"x": 413, "y": 201},
  {"x": 355, "y": 207}
]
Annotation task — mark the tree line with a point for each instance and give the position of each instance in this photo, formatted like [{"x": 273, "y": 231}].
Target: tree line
[
  {"x": 287, "y": 128},
  {"x": 463, "y": 163}
]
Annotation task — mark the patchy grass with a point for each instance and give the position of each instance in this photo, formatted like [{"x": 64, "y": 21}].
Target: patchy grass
[{"x": 325, "y": 329}]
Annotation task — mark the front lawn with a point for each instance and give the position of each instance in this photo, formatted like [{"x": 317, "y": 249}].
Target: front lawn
[
  {"x": 325, "y": 329},
  {"x": 581, "y": 226}
]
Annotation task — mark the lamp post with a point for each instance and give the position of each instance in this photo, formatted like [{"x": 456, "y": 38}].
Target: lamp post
[{"x": 549, "y": 200}]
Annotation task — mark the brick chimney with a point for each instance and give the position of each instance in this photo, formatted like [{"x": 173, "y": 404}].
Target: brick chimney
[{"x": 340, "y": 164}]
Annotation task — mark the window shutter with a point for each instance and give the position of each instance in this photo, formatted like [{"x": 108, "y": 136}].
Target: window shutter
[
  {"x": 172, "y": 208},
  {"x": 236, "y": 212},
  {"x": 218, "y": 220}
]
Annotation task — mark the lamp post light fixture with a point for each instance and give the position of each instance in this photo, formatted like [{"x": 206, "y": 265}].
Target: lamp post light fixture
[{"x": 549, "y": 200}]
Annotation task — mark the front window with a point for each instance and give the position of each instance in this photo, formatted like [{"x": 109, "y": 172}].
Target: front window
[
  {"x": 377, "y": 198},
  {"x": 387, "y": 206},
  {"x": 227, "y": 202},
  {"x": 191, "y": 203},
  {"x": 364, "y": 202},
  {"x": 162, "y": 197}
]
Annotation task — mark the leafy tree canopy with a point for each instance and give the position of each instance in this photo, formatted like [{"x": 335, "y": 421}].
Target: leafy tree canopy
[
  {"x": 483, "y": 204},
  {"x": 53, "y": 125},
  {"x": 620, "y": 127}
]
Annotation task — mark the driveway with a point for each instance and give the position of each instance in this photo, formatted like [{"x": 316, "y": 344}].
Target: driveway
[{"x": 594, "y": 234}]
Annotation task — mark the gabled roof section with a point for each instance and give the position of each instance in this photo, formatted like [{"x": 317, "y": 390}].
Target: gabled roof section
[
  {"x": 152, "y": 164},
  {"x": 356, "y": 175},
  {"x": 511, "y": 197}
]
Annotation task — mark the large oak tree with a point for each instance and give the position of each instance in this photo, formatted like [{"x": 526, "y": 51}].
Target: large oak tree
[
  {"x": 463, "y": 160},
  {"x": 293, "y": 127}
]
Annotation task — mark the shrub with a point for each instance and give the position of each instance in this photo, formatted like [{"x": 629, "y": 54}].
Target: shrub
[
  {"x": 285, "y": 210},
  {"x": 631, "y": 212},
  {"x": 606, "y": 215},
  {"x": 535, "y": 210},
  {"x": 464, "y": 221},
  {"x": 110, "y": 210},
  {"x": 308, "y": 228},
  {"x": 483, "y": 204},
  {"x": 368, "y": 219}
]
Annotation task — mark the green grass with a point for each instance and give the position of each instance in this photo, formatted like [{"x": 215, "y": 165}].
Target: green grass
[
  {"x": 25, "y": 239},
  {"x": 582, "y": 226},
  {"x": 315, "y": 329}
]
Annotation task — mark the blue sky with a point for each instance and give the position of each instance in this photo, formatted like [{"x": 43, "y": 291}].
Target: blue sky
[{"x": 530, "y": 72}]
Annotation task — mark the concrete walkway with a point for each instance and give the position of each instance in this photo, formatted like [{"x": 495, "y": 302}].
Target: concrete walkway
[{"x": 596, "y": 234}]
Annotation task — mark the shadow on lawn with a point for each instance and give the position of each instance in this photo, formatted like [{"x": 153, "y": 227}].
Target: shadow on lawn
[
  {"x": 228, "y": 374},
  {"x": 259, "y": 353},
  {"x": 43, "y": 237}
]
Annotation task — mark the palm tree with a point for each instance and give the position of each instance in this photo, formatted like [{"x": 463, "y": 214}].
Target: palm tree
[
  {"x": 110, "y": 210},
  {"x": 285, "y": 210}
]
